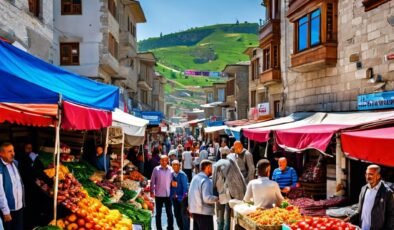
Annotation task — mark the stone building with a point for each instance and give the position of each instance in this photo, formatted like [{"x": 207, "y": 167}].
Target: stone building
[
  {"x": 97, "y": 39},
  {"x": 332, "y": 51},
  {"x": 215, "y": 98},
  {"x": 158, "y": 96},
  {"x": 237, "y": 86},
  {"x": 29, "y": 26}
]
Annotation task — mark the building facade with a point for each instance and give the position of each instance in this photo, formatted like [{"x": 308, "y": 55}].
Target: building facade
[
  {"x": 237, "y": 86},
  {"x": 28, "y": 25},
  {"x": 158, "y": 95},
  {"x": 333, "y": 51}
]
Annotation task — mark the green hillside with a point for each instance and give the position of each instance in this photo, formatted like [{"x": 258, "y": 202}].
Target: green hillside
[{"x": 208, "y": 48}]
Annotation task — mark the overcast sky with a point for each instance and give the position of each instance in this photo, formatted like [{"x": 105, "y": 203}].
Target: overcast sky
[{"x": 168, "y": 16}]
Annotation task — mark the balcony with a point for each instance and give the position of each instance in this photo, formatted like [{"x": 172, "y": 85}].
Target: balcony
[
  {"x": 270, "y": 77},
  {"x": 269, "y": 31},
  {"x": 127, "y": 39},
  {"x": 109, "y": 64},
  {"x": 315, "y": 58}
]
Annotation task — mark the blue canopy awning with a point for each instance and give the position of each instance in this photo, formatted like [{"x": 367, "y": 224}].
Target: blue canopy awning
[
  {"x": 154, "y": 117},
  {"x": 27, "y": 79}
]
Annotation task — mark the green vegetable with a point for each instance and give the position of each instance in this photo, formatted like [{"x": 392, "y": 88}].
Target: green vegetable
[
  {"x": 48, "y": 228},
  {"x": 284, "y": 204},
  {"x": 82, "y": 170},
  {"x": 138, "y": 216},
  {"x": 140, "y": 200},
  {"x": 94, "y": 190},
  {"x": 128, "y": 194}
]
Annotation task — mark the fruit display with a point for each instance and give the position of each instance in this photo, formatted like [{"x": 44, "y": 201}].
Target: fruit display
[
  {"x": 312, "y": 207},
  {"x": 322, "y": 223},
  {"x": 138, "y": 216},
  {"x": 63, "y": 170},
  {"x": 92, "y": 214},
  {"x": 137, "y": 176},
  {"x": 130, "y": 184},
  {"x": 275, "y": 216}
]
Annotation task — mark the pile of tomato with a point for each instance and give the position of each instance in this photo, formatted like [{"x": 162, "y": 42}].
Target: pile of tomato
[{"x": 322, "y": 223}]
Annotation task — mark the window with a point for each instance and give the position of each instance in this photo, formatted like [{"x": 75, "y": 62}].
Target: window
[
  {"x": 69, "y": 53},
  {"x": 255, "y": 69},
  {"x": 113, "y": 46},
  {"x": 266, "y": 59},
  {"x": 210, "y": 97},
  {"x": 230, "y": 87},
  {"x": 253, "y": 99},
  {"x": 34, "y": 7},
  {"x": 277, "y": 108},
  {"x": 112, "y": 7},
  {"x": 221, "y": 95},
  {"x": 144, "y": 96},
  {"x": 71, "y": 7},
  {"x": 309, "y": 30}
]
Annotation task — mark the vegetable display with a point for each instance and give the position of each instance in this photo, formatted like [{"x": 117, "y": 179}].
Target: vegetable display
[
  {"x": 322, "y": 223},
  {"x": 138, "y": 216},
  {"x": 275, "y": 216}
]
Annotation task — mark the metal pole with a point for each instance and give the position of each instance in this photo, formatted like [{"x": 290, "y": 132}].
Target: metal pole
[
  {"x": 338, "y": 163},
  {"x": 122, "y": 158},
  {"x": 57, "y": 159}
]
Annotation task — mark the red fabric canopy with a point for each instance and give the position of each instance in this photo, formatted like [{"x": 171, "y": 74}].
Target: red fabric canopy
[
  {"x": 78, "y": 117},
  {"x": 374, "y": 145},
  {"x": 42, "y": 115},
  {"x": 256, "y": 135},
  {"x": 307, "y": 137}
]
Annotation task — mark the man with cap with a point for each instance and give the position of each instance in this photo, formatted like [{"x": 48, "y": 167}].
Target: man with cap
[{"x": 179, "y": 188}]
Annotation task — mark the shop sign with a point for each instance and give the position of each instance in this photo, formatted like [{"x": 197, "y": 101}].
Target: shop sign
[
  {"x": 381, "y": 100},
  {"x": 263, "y": 109}
]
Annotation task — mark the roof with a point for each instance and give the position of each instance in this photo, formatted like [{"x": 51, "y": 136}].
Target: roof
[
  {"x": 230, "y": 68},
  {"x": 249, "y": 50},
  {"x": 136, "y": 9},
  {"x": 147, "y": 56}
]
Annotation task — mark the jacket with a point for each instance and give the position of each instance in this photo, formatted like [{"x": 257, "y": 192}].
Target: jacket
[
  {"x": 245, "y": 164},
  {"x": 7, "y": 187},
  {"x": 201, "y": 198},
  {"x": 228, "y": 182},
  {"x": 182, "y": 186},
  {"x": 382, "y": 216}
]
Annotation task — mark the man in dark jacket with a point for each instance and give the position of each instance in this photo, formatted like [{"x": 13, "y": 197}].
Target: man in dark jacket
[{"x": 376, "y": 204}]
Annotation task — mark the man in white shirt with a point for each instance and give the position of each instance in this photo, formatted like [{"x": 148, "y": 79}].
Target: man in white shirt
[
  {"x": 264, "y": 192},
  {"x": 187, "y": 163},
  {"x": 11, "y": 189},
  {"x": 376, "y": 203}
]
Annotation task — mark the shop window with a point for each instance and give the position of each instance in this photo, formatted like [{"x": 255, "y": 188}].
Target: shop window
[
  {"x": 34, "y": 7},
  {"x": 112, "y": 8},
  {"x": 71, "y": 7},
  {"x": 69, "y": 53},
  {"x": 113, "y": 46},
  {"x": 309, "y": 29}
]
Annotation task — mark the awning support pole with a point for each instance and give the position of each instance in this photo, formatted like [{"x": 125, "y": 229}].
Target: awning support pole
[
  {"x": 57, "y": 159},
  {"x": 122, "y": 158},
  {"x": 338, "y": 164}
]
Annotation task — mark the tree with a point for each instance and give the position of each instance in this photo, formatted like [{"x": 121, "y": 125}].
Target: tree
[
  {"x": 237, "y": 22},
  {"x": 161, "y": 34}
]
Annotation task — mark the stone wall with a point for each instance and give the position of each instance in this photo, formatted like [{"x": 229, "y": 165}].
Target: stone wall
[
  {"x": 242, "y": 92},
  {"x": 35, "y": 34},
  {"x": 367, "y": 35}
]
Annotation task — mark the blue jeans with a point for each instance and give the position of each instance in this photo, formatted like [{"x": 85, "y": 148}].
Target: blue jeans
[{"x": 223, "y": 216}]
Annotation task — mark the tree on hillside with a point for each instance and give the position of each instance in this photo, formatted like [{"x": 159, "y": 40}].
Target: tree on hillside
[{"x": 237, "y": 22}]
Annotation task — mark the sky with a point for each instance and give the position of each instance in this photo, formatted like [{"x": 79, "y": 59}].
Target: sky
[{"x": 169, "y": 16}]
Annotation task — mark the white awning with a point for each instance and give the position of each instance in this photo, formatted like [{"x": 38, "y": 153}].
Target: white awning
[
  {"x": 215, "y": 128},
  {"x": 212, "y": 104},
  {"x": 131, "y": 125}
]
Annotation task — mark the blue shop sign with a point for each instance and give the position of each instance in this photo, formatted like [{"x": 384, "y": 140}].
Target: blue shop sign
[{"x": 381, "y": 100}]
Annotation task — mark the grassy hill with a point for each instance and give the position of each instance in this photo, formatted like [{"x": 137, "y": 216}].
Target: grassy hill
[{"x": 208, "y": 48}]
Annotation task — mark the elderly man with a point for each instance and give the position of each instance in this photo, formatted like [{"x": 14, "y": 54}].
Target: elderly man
[
  {"x": 244, "y": 161},
  {"x": 201, "y": 198},
  {"x": 179, "y": 189},
  {"x": 262, "y": 191},
  {"x": 229, "y": 183},
  {"x": 160, "y": 185},
  {"x": 376, "y": 203},
  {"x": 285, "y": 176},
  {"x": 11, "y": 189}
]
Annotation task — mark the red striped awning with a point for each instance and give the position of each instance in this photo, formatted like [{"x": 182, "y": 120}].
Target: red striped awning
[{"x": 41, "y": 115}]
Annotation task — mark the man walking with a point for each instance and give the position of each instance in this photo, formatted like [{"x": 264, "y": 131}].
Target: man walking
[
  {"x": 179, "y": 189},
  {"x": 201, "y": 198},
  {"x": 160, "y": 189},
  {"x": 11, "y": 189},
  {"x": 187, "y": 163},
  {"x": 376, "y": 204},
  {"x": 244, "y": 161},
  {"x": 229, "y": 183}
]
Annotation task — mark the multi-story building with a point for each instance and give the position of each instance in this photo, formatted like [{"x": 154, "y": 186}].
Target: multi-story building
[
  {"x": 146, "y": 65},
  {"x": 97, "y": 39},
  {"x": 158, "y": 97},
  {"x": 237, "y": 84},
  {"x": 333, "y": 51},
  {"x": 29, "y": 26},
  {"x": 215, "y": 98}
]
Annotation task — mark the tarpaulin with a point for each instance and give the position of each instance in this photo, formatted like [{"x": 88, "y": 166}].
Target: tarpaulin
[
  {"x": 76, "y": 117},
  {"x": 133, "y": 127},
  {"x": 41, "y": 115},
  {"x": 154, "y": 117},
  {"x": 27, "y": 79},
  {"x": 257, "y": 135},
  {"x": 307, "y": 137},
  {"x": 374, "y": 145}
]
